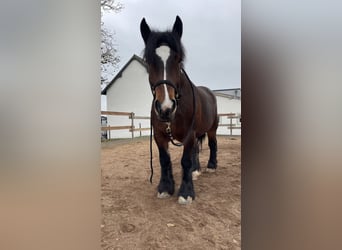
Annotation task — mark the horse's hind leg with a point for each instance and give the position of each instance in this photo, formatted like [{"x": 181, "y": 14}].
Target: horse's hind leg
[{"x": 212, "y": 142}]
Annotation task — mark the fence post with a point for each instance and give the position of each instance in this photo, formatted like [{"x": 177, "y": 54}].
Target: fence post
[
  {"x": 140, "y": 128},
  {"x": 132, "y": 124},
  {"x": 109, "y": 137},
  {"x": 231, "y": 126}
]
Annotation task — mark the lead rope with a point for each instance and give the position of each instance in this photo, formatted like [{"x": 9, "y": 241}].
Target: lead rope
[{"x": 151, "y": 156}]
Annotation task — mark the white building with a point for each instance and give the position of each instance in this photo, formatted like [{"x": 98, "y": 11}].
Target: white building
[
  {"x": 129, "y": 91},
  {"x": 228, "y": 101}
]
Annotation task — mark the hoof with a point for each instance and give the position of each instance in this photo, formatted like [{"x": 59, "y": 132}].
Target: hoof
[
  {"x": 183, "y": 201},
  {"x": 211, "y": 170},
  {"x": 195, "y": 174},
  {"x": 163, "y": 195}
]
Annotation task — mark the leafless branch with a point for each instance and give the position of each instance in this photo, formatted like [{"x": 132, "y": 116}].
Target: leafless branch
[{"x": 109, "y": 56}]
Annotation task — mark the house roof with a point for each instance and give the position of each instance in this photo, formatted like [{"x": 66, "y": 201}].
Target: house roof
[
  {"x": 119, "y": 74},
  {"x": 220, "y": 90},
  {"x": 234, "y": 93},
  {"x": 226, "y": 95}
]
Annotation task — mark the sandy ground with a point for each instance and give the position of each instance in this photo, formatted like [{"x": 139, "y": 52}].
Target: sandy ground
[{"x": 133, "y": 217}]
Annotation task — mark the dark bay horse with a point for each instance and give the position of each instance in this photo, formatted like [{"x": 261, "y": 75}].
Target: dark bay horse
[{"x": 180, "y": 110}]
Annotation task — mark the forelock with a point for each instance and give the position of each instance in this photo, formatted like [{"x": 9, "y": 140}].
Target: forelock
[{"x": 157, "y": 39}]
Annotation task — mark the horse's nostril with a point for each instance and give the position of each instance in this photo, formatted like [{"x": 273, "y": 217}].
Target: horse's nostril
[
  {"x": 157, "y": 106},
  {"x": 174, "y": 104}
]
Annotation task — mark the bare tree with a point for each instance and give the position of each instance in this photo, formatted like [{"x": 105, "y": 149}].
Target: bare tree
[
  {"x": 111, "y": 5},
  {"x": 109, "y": 56}
]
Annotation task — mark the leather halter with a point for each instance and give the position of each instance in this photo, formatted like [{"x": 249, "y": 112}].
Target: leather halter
[
  {"x": 168, "y": 123},
  {"x": 167, "y": 82}
]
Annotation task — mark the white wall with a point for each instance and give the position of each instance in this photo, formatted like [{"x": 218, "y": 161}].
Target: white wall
[
  {"x": 226, "y": 105},
  {"x": 130, "y": 93}
]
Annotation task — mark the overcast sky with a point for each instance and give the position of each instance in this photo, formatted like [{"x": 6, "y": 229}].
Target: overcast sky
[{"x": 211, "y": 36}]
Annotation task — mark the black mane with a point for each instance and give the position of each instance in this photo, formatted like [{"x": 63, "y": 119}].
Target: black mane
[{"x": 157, "y": 39}]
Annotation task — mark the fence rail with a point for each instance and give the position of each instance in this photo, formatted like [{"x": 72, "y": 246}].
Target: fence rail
[
  {"x": 131, "y": 128},
  {"x": 116, "y": 113},
  {"x": 230, "y": 125}
]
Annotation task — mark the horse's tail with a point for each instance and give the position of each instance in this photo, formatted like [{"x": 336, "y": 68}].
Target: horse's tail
[{"x": 200, "y": 140}]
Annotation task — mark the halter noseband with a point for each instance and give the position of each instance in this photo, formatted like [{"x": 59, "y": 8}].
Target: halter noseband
[{"x": 167, "y": 82}]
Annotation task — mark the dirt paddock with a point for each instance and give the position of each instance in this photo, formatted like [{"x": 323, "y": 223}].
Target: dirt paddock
[{"x": 133, "y": 217}]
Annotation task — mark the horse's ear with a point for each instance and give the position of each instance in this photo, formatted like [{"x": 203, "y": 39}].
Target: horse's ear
[
  {"x": 178, "y": 27},
  {"x": 145, "y": 30}
]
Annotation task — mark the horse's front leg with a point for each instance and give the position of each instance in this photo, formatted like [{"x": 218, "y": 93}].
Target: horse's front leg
[
  {"x": 166, "y": 185},
  {"x": 186, "y": 192}
]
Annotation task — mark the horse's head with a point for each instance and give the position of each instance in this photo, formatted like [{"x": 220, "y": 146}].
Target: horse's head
[{"x": 164, "y": 54}]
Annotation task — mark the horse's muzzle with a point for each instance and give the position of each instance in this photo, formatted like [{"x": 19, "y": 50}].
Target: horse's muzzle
[{"x": 165, "y": 114}]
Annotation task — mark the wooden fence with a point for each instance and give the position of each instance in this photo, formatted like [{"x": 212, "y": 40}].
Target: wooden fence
[
  {"x": 231, "y": 125},
  {"x": 133, "y": 117}
]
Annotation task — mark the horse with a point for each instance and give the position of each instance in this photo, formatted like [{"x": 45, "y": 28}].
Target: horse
[{"x": 180, "y": 110}]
